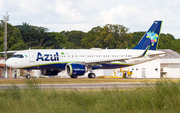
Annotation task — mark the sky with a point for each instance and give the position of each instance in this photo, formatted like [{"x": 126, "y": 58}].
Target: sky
[{"x": 83, "y": 15}]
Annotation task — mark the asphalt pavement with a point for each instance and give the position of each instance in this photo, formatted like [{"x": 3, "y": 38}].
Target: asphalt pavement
[{"x": 80, "y": 86}]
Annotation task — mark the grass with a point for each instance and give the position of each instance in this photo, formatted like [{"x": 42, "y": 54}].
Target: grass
[
  {"x": 81, "y": 80},
  {"x": 163, "y": 97}
]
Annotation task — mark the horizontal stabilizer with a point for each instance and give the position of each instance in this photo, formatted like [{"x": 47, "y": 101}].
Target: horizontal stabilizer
[
  {"x": 152, "y": 55},
  {"x": 9, "y": 52}
]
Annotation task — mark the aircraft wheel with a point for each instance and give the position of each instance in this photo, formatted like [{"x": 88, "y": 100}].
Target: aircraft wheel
[
  {"x": 74, "y": 76},
  {"x": 92, "y": 75},
  {"x": 28, "y": 76}
]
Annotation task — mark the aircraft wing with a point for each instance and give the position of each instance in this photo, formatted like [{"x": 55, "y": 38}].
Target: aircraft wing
[
  {"x": 117, "y": 59},
  {"x": 103, "y": 61},
  {"x": 152, "y": 55}
]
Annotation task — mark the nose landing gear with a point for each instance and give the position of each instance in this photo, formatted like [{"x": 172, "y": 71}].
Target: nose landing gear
[{"x": 28, "y": 76}]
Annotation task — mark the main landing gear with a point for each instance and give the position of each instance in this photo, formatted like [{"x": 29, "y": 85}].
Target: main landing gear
[{"x": 92, "y": 75}]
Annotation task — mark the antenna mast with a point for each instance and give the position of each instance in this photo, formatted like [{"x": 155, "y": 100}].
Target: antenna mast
[{"x": 6, "y": 18}]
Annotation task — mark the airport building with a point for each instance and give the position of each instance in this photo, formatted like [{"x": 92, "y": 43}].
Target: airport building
[
  {"x": 10, "y": 71},
  {"x": 2, "y": 66},
  {"x": 170, "y": 64}
]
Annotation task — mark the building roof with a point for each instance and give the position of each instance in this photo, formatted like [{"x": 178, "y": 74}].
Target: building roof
[{"x": 173, "y": 55}]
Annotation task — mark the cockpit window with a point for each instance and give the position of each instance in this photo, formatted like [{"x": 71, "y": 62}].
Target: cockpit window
[{"x": 18, "y": 56}]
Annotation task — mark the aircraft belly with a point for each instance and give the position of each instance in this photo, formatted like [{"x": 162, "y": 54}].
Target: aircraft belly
[{"x": 47, "y": 66}]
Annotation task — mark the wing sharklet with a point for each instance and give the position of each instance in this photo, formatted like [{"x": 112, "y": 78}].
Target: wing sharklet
[{"x": 144, "y": 53}]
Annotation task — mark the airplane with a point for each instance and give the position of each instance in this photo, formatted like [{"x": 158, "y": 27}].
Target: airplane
[{"x": 76, "y": 62}]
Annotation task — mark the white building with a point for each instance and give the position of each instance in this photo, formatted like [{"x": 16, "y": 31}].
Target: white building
[
  {"x": 170, "y": 64},
  {"x": 150, "y": 69},
  {"x": 164, "y": 67}
]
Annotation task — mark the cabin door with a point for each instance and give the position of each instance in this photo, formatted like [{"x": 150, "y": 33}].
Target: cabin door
[{"x": 31, "y": 56}]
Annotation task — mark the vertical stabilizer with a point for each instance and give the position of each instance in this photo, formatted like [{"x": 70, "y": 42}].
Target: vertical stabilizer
[{"x": 151, "y": 37}]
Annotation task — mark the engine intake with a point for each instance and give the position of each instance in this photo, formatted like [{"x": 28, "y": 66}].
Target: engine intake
[{"x": 75, "y": 69}]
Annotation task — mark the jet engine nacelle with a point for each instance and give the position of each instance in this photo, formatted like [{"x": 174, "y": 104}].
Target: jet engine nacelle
[
  {"x": 75, "y": 69},
  {"x": 49, "y": 72}
]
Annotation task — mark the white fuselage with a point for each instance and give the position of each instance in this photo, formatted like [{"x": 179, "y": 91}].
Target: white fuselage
[{"x": 44, "y": 58}]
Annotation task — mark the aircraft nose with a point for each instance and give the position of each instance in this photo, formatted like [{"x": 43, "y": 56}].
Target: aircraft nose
[{"x": 9, "y": 63}]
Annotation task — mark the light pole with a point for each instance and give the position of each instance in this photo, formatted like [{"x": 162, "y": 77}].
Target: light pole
[{"x": 6, "y": 18}]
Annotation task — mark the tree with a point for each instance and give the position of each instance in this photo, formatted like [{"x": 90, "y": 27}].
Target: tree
[
  {"x": 137, "y": 37},
  {"x": 14, "y": 39},
  {"x": 74, "y": 38},
  {"x": 38, "y": 37},
  {"x": 111, "y": 36},
  {"x": 55, "y": 40},
  {"x": 167, "y": 41},
  {"x": 32, "y": 35}
]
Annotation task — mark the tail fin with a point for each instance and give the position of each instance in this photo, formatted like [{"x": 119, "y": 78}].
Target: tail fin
[{"x": 151, "y": 37}]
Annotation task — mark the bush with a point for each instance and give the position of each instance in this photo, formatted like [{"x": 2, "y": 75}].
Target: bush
[{"x": 163, "y": 96}]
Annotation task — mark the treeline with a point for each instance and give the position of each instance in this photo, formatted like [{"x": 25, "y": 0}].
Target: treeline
[{"x": 111, "y": 36}]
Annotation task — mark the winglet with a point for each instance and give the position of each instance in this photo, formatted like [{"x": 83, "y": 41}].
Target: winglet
[{"x": 144, "y": 53}]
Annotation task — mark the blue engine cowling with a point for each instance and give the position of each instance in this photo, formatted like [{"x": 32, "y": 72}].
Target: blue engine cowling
[{"x": 75, "y": 69}]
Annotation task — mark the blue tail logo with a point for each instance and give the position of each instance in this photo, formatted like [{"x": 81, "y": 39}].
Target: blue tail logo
[{"x": 153, "y": 36}]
